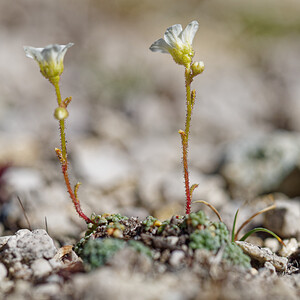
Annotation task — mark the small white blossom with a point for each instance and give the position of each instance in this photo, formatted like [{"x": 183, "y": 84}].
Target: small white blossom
[
  {"x": 50, "y": 58},
  {"x": 178, "y": 42}
]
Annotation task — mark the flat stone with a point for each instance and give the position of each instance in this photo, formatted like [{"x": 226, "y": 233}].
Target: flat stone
[
  {"x": 264, "y": 255},
  {"x": 25, "y": 247}
]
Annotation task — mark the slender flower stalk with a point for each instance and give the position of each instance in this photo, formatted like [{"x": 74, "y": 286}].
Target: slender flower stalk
[
  {"x": 61, "y": 121},
  {"x": 178, "y": 43},
  {"x": 50, "y": 60},
  {"x": 185, "y": 136}
]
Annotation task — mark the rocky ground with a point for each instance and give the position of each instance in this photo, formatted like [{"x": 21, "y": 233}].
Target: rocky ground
[
  {"x": 127, "y": 107},
  {"x": 147, "y": 260}
]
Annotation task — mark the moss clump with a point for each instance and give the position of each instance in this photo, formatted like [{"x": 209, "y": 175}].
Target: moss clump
[
  {"x": 213, "y": 237},
  {"x": 198, "y": 219},
  {"x": 96, "y": 252},
  {"x": 115, "y": 218},
  {"x": 140, "y": 247},
  {"x": 162, "y": 227},
  {"x": 210, "y": 238},
  {"x": 234, "y": 254},
  {"x": 203, "y": 239},
  {"x": 105, "y": 219},
  {"x": 109, "y": 221},
  {"x": 220, "y": 230},
  {"x": 113, "y": 232},
  {"x": 150, "y": 223}
]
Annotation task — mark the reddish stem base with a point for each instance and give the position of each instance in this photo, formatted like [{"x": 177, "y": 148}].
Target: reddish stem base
[
  {"x": 64, "y": 168},
  {"x": 72, "y": 195}
]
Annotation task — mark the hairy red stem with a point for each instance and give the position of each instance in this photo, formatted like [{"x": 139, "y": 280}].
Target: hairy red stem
[
  {"x": 186, "y": 171},
  {"x": 64, "y": 167},
  {"x": 190, "y": 99},
  {"x": 186, "y": 180}
]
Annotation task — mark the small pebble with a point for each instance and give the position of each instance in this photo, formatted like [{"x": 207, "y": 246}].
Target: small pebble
[
  {"x": 54, "y": 278},
  {"x": 172, "y": 240},
  {"x": 270, "y": 267},
  {"x": 176, "y": 258},
  {"x": 6, "y": 286},
  {"x": 117, "y": 233},
  {"x": 253, "y": 271},
  {"x": 290, "y": 247},
  {"x": 41, "y": 267},
  {"x": 48, "y": 289},
  {"x": 267, "y": 271},
  {"x": 3, "y": 271},
  {"x": 272, "y": 244}
]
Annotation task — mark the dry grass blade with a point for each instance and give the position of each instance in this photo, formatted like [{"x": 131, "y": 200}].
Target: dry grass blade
[
  {"x": 46, "y": 225},
  {"x": 211, "y": 207},
  {"x": 24, "y": 212},
  {"x": 233, "y": 226},
  {"x": 252, "y": 217}
]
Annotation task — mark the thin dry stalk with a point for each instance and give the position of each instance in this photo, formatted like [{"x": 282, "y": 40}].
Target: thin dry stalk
[
  {"x": 252, "y": 217},
  {"x": 211, "y": 207}
]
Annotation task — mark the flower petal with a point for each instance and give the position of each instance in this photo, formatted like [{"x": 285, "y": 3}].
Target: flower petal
[
  {"x": 188, "y": 34},
  {"x": 160, "y": 46},
  {"x": 55, "y": 52},
  {"x": 34, "y": 53},
  {"x": 50, "y": 52},
  {"x": 171, "y": 35},
  {"x": 63, "y": 51}
]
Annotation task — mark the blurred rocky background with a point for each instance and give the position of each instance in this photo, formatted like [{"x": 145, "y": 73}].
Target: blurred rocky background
[{"x": 128, "y": 105}]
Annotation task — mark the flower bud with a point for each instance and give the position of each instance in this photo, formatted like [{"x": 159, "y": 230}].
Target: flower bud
[
  {"x": 61, "y": 113},
  {"x": 197, "y": 68}
]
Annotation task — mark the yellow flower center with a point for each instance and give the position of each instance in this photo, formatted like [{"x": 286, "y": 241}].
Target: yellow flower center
[
  {"x": 51, "y": 69},
  {"x": 182, "y": 55}
]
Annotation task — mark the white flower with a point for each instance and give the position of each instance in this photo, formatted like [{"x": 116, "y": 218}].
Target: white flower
[
  {"x": 178, "y": 42},
  {"x": 50, "y": 58}
]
